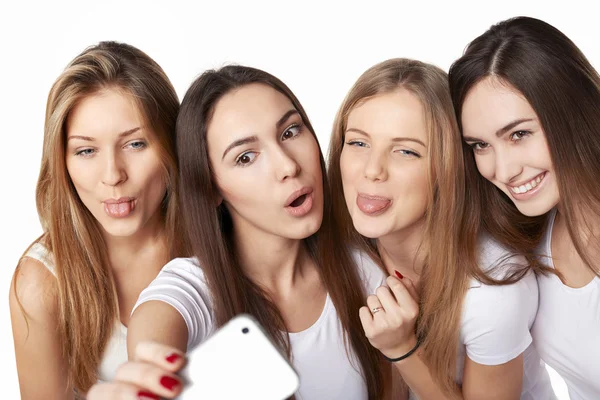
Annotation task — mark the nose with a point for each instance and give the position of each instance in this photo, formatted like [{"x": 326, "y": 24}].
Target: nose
[
  {"x": 375, "y": 168},
  {"x": 286, "y": 166},
  {"x": 508, "y": 167},
  {"x": 114, "y": 172}
]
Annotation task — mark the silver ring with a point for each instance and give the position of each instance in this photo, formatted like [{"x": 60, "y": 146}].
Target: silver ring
[{"x": 376, "y": 310}]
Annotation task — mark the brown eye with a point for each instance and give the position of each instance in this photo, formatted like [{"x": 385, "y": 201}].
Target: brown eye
[
  {"x": 291, "y": 132},
  {"x": 246, "y": 158}
]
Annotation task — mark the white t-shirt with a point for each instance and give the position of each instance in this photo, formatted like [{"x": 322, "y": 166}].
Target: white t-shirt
[
  {"x": 496, "y": 322},
  {"x": 115, "y": 353},
  {"x": 318, "y": 353},
  {"x": 567, "y": 328}
]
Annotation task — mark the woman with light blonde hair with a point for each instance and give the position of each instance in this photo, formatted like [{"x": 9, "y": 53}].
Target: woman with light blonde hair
[
  {"x": 455, "y": 316},
  {"x": 106, "y": 198}
]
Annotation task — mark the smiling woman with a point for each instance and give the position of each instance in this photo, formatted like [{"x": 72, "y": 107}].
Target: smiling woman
[
  {"x": 528, "y": 99},
  {"x": 106, "y": 197}
]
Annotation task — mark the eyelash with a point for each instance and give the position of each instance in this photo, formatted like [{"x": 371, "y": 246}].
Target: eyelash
[
  {"x": 239, "y": 158},
  {"x": 292, "y": 126},
  {"x": 82, "y": 152},
  {"x": 358, "y": 143},
  {"x": 476, "y": 146}
]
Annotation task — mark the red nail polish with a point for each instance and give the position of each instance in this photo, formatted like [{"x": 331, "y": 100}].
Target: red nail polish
[
  {"x": 173, "y": 357},
  {"x": 143, "y": 395},
  {"x": 399, "y": 275},
  {"x": 168, "y": 382}
]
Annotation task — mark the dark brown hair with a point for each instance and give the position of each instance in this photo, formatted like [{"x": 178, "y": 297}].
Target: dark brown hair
[
  {"x": 563, "y": 89},
  {"x": 209, "y": 228},
  {"x": 87, "y": 297}
]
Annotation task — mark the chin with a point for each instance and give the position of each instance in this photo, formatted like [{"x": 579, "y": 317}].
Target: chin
[
  {"x": 535, "y": 210},
  {"x": 369, "y": 230},
  {"x": 121, "y": 229}
]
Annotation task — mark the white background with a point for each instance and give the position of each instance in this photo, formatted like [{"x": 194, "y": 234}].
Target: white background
[{"x": 317, "y": 48}]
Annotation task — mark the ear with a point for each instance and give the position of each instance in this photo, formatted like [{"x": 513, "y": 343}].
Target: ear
[{"x": 219, "y": 200}]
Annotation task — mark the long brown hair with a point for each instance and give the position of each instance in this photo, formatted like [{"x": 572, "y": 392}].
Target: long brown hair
[
  {"x": 563, "y": 88},
  {"x": 87, "y": 299},
  {"x": 209, "y": 228},
  {"x": 452, "y": 231}
]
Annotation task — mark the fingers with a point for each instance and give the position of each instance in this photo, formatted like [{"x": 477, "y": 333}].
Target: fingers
[
  {"x": 411, "y": 289},
  {"x": 387, "y": 299},
  {"x": 366, "y": 319},
  {"x": 402, "y": 295},
  {"x": 165, "y": 357},
  {"x": 119, "y": 391},
  {"x": 150, "y": 377},
  {"x": 374, "y": 304}
]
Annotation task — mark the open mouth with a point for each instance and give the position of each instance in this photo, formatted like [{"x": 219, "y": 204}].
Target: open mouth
[
  {"x": 528, "y": 186},
  {"x": 299, "y": 201}
]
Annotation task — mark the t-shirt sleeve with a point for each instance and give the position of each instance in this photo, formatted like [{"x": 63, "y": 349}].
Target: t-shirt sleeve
[
  {"x": 497, "y": 319},
  {"x": 370, "y": 273},
  {"x": 182, "y": 285}
]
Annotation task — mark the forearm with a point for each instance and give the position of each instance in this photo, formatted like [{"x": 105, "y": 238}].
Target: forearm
[
  {"x": 416, "y": 374},
  {"x": 158, "y": 322}
]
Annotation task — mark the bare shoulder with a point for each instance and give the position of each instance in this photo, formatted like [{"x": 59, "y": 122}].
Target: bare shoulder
[{"x": 35, "y": 288}]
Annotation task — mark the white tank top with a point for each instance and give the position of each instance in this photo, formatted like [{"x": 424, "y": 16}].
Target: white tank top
[{"x": 115, "y": 353}]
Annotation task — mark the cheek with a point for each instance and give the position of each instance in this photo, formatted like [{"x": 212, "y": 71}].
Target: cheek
[
  {"x": 81, "y": 173},
  {"x": 486, "y": 165}
]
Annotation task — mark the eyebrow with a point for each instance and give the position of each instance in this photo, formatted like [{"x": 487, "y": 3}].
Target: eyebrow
[
  {"x": 396, "y": 139},
  {"x": 91, "y": 139},
  {"x": 254, "y": 138},
  {"x": 501, "y": 131}
]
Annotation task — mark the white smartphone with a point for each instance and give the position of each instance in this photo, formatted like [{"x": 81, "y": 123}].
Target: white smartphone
[{"x": 239, "y": 362}]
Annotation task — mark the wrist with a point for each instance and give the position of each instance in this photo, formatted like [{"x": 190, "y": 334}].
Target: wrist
[{"x": 403, "y": 351}]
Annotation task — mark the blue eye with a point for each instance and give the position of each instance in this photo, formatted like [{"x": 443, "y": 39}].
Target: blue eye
[
  {"x": 409, "y": 153},
  {"x": 85, "y": 152},
  {"x": 356, "y": 143},
  {"x": 137, "y": 145}
]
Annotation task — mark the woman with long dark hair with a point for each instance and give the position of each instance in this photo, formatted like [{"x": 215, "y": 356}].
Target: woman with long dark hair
[{"x": 528, "y": 103}]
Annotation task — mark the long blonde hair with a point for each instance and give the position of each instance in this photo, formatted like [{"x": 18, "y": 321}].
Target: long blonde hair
[
  {"x": 87, "y": 299},
  {"x": 450, "y": 240}
]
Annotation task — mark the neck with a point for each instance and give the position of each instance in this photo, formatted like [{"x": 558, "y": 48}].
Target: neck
[
  {"x": 147, "y": 243},
  {"x": 402, "y": 251},
  {"x": 278, "y": 263}
]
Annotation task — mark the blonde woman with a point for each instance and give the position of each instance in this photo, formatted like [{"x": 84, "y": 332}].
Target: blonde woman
[
  {"x": 106, "y": 198},
  {"x": 397, "y": 183}
]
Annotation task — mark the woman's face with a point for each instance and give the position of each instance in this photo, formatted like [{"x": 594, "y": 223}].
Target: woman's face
[
  {"x": 384, "y": 164},
  {"x": 510, "y": 146},
  {"x": 266, "y": 163},
  {"x": 113, "y": 163}
]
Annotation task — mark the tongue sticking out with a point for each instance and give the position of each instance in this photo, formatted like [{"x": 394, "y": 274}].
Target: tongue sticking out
[
  {"x": 299, "y": 201},
  {"x": 119, "y": 209},
  {"x": 372, "y": 206}
]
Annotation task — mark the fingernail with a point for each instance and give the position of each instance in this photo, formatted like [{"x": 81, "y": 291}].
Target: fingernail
[
  {"x": 399, "y": 275},
  {"x": 173, "y": 357},
  {"x": 143, "y": 395},
  {"x": 168, "y": 382}
]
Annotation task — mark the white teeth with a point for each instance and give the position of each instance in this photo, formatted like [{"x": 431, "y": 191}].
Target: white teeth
[{"x": 526, "y": 187}]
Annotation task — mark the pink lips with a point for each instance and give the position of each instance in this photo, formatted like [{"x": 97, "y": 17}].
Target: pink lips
[
  {"x": 299, "y": 203},
  {"x": 119, "y": 208},
  {"x": 372, "y": 205}
]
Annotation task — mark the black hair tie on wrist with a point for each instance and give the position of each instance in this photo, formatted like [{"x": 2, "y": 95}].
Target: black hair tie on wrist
[{"x": 406, "y": 355}]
